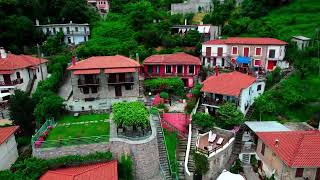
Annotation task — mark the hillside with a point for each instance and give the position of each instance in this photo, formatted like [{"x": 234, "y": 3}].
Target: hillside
[{"x": 300, "y": 17}]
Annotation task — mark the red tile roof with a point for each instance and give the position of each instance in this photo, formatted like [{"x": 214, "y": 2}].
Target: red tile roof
[
  {"x": 12, "y": 62},
  {"x": 177, "y": 58},
  {"x": 119, "y": 70},
  {"x": 246, "y": 40},
  {"x": 295, "y": 148},
  {"x": 6, "y": 132},
  {"x": 105, "y": 62},
  {"x": 229, "y": 84},
  {"x": 100, "y": 171}
]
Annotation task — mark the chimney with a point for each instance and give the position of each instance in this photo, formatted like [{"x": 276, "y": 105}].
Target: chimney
[
  {"x": 3, "y": 53},
  {"x": 185, "y": 22},
  {"x": 276, "y": 143},
  {"x": 70, "y": 22},
  {"x": 37, "y": 22}
]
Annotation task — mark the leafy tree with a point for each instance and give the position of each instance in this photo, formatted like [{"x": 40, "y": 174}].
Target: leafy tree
[
  {"x": 172, "y": 85},
  {"x": 164, "y": 95},
  {"x": 125, "y": 168},
  {"x": 201, "y": 163},
  {"x": 265, "y": 104},
  {"x": 54, "y": 44},
  {"x": 203, "y": 120},
  {"x": 49, "y": 106},
  {"x": 229, "y": 115},
  {"x": 196, "y": 90},
  {"x": 21, "y": 109},
  {"x": 192, "y": 38}
]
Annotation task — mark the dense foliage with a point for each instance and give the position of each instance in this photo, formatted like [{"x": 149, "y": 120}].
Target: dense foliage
[
  {"x": 201, "y": 163},
  {"x": 125, "y": 168},
  {"x": 130, "y": 114},
  {"x": 164, "y": 95},
  {"x": 172, "y": 85},
  {"x": 33, "y": 168},
  {"x": 196, "y": 90},
  {"x": 203, "y": 120},
  {"x": 21, "y": 111},
  {"x": 237, "y": 167},
  {"x": 229, "y": 115}
]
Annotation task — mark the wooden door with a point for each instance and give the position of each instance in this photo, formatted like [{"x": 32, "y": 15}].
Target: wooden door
[
  {"x": 208, "y": 51},
  {"x": 6, "y": 78},
  {"x": 118, "y": 90},
  {"x": 318, "y": 174},
  {"x": 246, "y": 52},
  {"x": 220, "y": 51}
]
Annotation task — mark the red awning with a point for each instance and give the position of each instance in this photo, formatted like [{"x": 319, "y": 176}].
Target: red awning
[
  {"x": 87, "y": 71},
  {"x": 119, "y": 70},
  {"x": 6, "y": 71}
]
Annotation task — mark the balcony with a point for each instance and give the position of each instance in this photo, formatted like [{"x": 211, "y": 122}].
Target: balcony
[
  {"x": 212, "y": 101},
  {"x": 121, "y": 80},
  {"x": 88, "y": 82},
  {"x": 11, "y": 83}
]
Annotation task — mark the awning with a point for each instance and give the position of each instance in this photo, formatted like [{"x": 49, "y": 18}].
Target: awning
[
  {"x": 6, "y": 71},
  {"x": 86, "y": 71},
  {"x": 243, "y": 60},
  {"x": 119, "y": 70}
]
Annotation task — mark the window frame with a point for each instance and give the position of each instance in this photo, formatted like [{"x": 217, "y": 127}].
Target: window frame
[
  {"x": 274, "y": 55},
  {"x": 248, "y": 51},
  {"x": 255, "y": 62},
  {"x": 255, "y": 51},
  {"x": 150, "y": 67},
  {"x": 259, "y": 87},
  {"x": 232, "y": 50},
  {"x": 166, "y": 69},
  {"x": 299, "y": 172},
  {"x": 194, "y": 69},
  {"x": 182, "y": 68}
]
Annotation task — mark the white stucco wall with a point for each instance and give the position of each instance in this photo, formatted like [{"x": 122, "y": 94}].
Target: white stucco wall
[
  {"x": 214, "y": 49},
  {"x": 279, "y": 52},
  {"x": 249, "y": 94},
  {"x": 8, "y": 153}
]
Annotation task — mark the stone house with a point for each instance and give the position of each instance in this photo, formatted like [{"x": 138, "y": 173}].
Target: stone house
[
  {"x": 171, "y": 65},
  {"x": 104, "y": 79},
  {"x": 73, "y": 33},
  {"x": 234, "y": 87},
  {"x": 245, "y": 53},
  {"x": 20, "y": 72},
  {"x": 8, "y": 147},
  {"x": 292, "y": 155}
]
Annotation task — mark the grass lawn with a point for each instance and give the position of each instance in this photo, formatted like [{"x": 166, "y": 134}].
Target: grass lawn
[
  {"x": 172, "y": 142},
  {"x": 63, "y": 135}
]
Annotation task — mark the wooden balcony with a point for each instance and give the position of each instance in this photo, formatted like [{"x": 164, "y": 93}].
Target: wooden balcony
[
  {"x": 11, "y": 83},
  {"x": 88, "y": 82},
  {"x": 126, "y": 80}
]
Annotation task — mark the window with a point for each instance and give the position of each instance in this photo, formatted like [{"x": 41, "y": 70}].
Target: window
[
  {"x": 208, "y": 51},
  {"x": 150, "y": 69},
  {"x": 263, "y": 147},
  {"x": 191, "y": 69},
  {"x": 257, "y": 62},
  {"x": 94, "y": 90},
  {"x": 258, "y": 51},
  {"x": 179, "y": 69},
  {"x": 85, "y": 90},
  {"x": 246, "y": 52},
  {"x": 157, "y": 69},
  {"x": 54, "y": 30},
  {"x": 299, "y": 172},
  {"x": 76, "y": 28},
  {"x": 128, "y": 87},
  {"x": 168, "y": 69},
  {"x": 48, "y": 30},
  {"x": 234, "y": 50},
  {"x": 220, "y": 51},
  {"x": 18, "y": 75},
  {"x": 272, "y": 53},
  {"x": 60, "y": 29},
  {"x": 259, "y": 87}
]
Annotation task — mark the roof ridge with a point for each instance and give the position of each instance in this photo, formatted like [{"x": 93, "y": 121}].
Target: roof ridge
[
  {"x": 98, "y": 165},
  {"x": 295, "y": 152}
]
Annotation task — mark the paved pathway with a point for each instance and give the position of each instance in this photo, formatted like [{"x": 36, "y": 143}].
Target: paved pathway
[
  {"x": 249, "y": 173},
  {"x": 113, "y": 127},
  {"x": 177, "y": 107}
]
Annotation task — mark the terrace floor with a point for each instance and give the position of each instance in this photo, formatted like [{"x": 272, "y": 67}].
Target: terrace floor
[
  {"x": 203, "y": 142},
  {"x": 179, "y": 120}
]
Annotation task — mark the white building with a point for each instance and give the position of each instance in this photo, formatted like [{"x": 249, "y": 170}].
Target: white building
[
  {"x": 244, "y": 53},
  {"x": 8, "y": 147},
  {"x": 234, "y": 87},
  {"x": 207, "y": 31},
  {"x": 20, "y": 72},
  {"x": 73, "y": 33},
  {"x": 301, "y": 41}
]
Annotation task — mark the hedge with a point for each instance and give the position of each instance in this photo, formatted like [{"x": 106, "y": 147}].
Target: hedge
[
  {"x": 173, "y": 85},
  {"x": 33, "y": 168}
]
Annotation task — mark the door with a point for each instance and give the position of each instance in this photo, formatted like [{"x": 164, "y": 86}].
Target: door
[
  {"x": 318, "y": 174},
  {"x": 6, "y": 78},
  {"x": 208, "y": 51},
  {"x": 220, "y": 51},
  {"x": 246, "y": 52},
  {"x": 118, "y": 90},
  {"x": 271, "y": 64}
]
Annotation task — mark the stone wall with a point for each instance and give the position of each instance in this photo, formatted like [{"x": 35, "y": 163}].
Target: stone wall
[{"x": 191, "y": 6}]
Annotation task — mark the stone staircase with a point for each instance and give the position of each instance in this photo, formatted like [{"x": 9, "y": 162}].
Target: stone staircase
[
  {"x": 246, "y": 158},
  {"x": 163, "y": 158},
  {"x": 236, "y": 148},
  {"x": 181, "y": 156},
  {"x": 250, "y": 112},
  {"x": 191, "y": 164}
]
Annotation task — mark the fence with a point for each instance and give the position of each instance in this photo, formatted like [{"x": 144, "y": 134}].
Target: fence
[{"x": 43, "y": 128}]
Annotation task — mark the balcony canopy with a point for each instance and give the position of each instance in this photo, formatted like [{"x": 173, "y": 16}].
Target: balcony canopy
[
  {"x": 243, "y": 60},
  {"x": 119, "y": 70},
  {"x": 87, "y": 71}
]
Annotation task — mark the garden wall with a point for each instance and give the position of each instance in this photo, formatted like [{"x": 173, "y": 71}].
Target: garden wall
[{"x": 144, "y": 153}]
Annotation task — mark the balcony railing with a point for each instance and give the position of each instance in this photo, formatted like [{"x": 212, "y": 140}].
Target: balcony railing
[
  {"x": 94, "y": 82},
  {"x": 121, "y": 80},
  {"x": 212, "y": 101},
  {"x": 11, "y": 83}
]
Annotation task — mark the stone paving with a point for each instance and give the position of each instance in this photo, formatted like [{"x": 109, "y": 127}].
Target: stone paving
[
  {"x": 82, "y": 122},
  {"x": 177, "y": 106},
  {"x": 249, "y": 173}
]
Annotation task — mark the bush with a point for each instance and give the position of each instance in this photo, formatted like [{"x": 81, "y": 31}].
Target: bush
[
  {"x": 171, "y": 85},
  {"x": 164, "y": 95},
  {"x": 191, "y": 104},
  {"x": 203, "y": 120},
  {"x": 125, "y": 168},
  {"x": 130, "y": 114},
  {"x": 201, "y": 163},
  {"x": 236, "y": 168},
  {"x": 196, "y": 90},
  {"x": 161, "y": 106},
  {"x": 229, "y": 115}
]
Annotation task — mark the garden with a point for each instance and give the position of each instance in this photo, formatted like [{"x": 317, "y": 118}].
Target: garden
[{"x": 71, "y": 130}]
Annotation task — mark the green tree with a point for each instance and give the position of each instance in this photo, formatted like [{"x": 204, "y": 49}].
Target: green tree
[
  {"x": 192, "y": 38},
  {"x": 125, "y": 168},
  {"x": 201, "y": 163},
  {"x": 203, "y": 120},
  {"x": 49, "y": 106},
  {"x": 21, "y": 109},
  {"x": 229, "y": 115},
  {"x": 265, "y": 104},
  {"x": 54, "y": 44}
]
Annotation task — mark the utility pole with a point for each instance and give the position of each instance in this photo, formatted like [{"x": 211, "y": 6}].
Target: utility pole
[{"x": 39, "y": 56}]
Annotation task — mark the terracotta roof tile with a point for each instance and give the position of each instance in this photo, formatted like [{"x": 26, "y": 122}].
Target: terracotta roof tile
[
  {"x": 12, "y": 62},
  {"x": 105, "y": 62},
  {"x": 100, "y": 171},
  {"x": 246, "y": 40},
  {"x": 6, "y": 132},
  {"x": 177, "y": 58},
  {"x": 229, "y": 84},
  {"x": 295, "y": 148}
]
